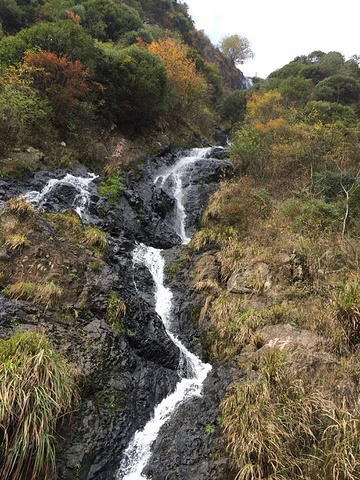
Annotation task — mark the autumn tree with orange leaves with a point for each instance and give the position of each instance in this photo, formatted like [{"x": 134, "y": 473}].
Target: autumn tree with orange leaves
[
  {"x": 63, "y": 82},
  {"x": 188, "y": 88}
]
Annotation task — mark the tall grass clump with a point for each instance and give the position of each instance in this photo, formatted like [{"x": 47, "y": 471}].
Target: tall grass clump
[
  {"x": 47, "y": 294},
  {"x": 20, "y": 208},
  {"x": 116, "y": 311},
  {"x": 346, "y": 301},
  {"x": 279, "y": 426},
  {"x": 37, "y": 387},
  {"x": 96, "y": 238},
  {"x": 237, "y": 204}
]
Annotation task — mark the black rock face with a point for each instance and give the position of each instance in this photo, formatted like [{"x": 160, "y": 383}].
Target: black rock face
[{"x": 129, "y": 372}]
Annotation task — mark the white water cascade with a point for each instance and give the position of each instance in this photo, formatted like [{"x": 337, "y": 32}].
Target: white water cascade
[
  {"x": 81, "y": 184},
  {"x": 175, "y": 175},
  {"x": 192, "y": 371}
]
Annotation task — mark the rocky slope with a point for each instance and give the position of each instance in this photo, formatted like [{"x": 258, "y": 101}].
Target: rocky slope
[{"x": 127, "y": 365}]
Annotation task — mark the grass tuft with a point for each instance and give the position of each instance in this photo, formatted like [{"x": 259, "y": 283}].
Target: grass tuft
[
  {"x": 96, "y": 238},
  {"x": 37, "y": 387},
  {"x": 47, "y": 294},
  {"x": 16, "y": 242},
  {"x": 116, "y": 312},
  {"x": 20, "y": 208}
]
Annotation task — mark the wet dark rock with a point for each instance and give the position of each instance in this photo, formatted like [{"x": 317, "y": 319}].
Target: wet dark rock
[
  {"x": 186, "y": 447},
  {"x": 125, "y": 374}
]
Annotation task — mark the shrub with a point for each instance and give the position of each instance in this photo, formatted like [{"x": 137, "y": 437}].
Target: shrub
[
  {"x": 188, "y": 89},
  {"x": 62, "y": 37},
  {"x": 135, "y": 85},
  {"x": 37, "y": 387},
  {"x": 132, "y": 37},
  {"x": 233, "y": 108},
  {"x": 108, "y": 20},
  {"x": 245, "y": 150},
  {"x": 339, "y": 89},
  {"x": 23, "y": 113},
  {"x": 329, "y": 112},
  {"x": 64, "y": 83},
  {"x": 311, "y": 215}
]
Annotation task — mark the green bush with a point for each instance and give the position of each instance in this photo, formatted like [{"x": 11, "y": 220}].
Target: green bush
[
  {"x": 311, "y": 215},
  {"x": 135, "y": 83},
  {"x": 23, "y": 116},
  {"x": 233, "y": 108},
  {"x": 37, "y": 387},
  {"x": 329, "y": 112},
  {"x": 245, "y": 150},
  {"x": 108, "y": 20},
  {"x": 338, "y": 89},
  {"x": 129, "y": 38},
  {"x": 63, "y": 36}
]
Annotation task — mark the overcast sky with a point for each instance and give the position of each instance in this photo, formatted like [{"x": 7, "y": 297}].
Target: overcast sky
[{"x": 279, "y": 30}]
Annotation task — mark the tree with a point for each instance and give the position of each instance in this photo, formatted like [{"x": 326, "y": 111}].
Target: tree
[
  {"x": 135, "y": 84},
  {"x": 63, "y": 82},
  {"x": 187, "y": 86},
  {"x": 339, "y": 89},
  {"x": 237, "y": 48}
]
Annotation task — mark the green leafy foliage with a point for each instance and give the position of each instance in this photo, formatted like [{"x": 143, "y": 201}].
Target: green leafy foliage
[
  {"x": 108, "y": 20},
  {"x": 24, "y": 114},
  {"x": 136, "y": 85},
  {"x": 338, "y": 89},
  {"x": 233, "y": 107},
  {"x": 62, "y": 37},
  {"x": 236, "y": 48},
  {"x": 245, "y": 149},
  {"x": 329, "y": 112}
]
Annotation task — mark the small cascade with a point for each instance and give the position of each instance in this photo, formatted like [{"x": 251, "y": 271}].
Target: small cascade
[
  {"x": 81, "y": 185},
  {"x": 174, "y": 176},
  {"x": 192, "y": 371}
]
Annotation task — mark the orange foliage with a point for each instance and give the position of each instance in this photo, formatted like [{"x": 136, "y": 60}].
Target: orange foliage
[
  {"x": 263, "y": 107},
  {"x": 188, "y": 86},
  {"x": 73, "y": 16},
  {"x": 64, "y": 82}
]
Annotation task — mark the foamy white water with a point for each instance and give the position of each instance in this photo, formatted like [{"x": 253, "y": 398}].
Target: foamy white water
[
  {"x": 176, "y": 174},
  {"x": 192, "y": 371},
  {"x": 81, "y": 185}
]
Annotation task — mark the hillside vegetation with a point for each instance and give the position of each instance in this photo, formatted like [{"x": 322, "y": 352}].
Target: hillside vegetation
[
  {"x": 276, "y": 260},
  {"x": 73, "y": 72},
  {"x": 282, "y": 303}
]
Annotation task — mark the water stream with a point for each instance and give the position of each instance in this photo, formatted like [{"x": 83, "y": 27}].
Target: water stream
[
  {"x": 81, "y": 185},
  {"x": 192, "y": 371}
]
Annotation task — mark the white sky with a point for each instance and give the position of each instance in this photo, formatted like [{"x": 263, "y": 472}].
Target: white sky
[{"x": 280, "y": 30}]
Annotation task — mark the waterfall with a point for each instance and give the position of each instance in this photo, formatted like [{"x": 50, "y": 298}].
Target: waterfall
[
  {"x": 174, "y": 176},
  {"x": 81, "y": 185},
  {"x": 192, "y": 371}
]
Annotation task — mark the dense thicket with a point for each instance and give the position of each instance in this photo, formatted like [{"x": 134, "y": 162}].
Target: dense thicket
[{"x": 127, "y": 83}]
